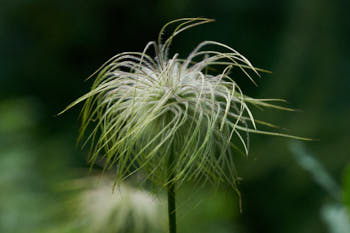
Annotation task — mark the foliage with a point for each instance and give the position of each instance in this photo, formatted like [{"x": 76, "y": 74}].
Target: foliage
[
  {"x": 334, "y": 214},
  {"x": 347, "y": 188}
]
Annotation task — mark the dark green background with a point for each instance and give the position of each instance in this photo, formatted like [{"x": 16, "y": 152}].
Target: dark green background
[{"x": 48, "y": 48}]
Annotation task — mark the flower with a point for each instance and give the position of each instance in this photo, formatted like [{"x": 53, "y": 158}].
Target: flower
[
  {"x": 171, "y": 118},
  {"x": 92, "y": 207}
]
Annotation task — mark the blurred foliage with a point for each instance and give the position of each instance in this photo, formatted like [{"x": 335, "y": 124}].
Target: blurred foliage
[
  {"x": 207, "y": 210},
  {"x": 25, "y": 191},
  {"x": 334, "y": 213},
  {"x": 336, "y": 217},
  {"x": 347, "y": 188},
  {"x": 316, "y": 169},
  {"x": 48, "y": 48}
]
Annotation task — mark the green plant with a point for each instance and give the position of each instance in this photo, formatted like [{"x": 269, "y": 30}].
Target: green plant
[
  {"x": 171, "y": 118},
  {"x": 346, "y": 185},
  {"x": 91, "y": 207},
  {"x": 334, "y": 212}
]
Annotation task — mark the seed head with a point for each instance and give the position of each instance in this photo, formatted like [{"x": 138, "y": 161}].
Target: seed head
[{"x": 145, "y": 109}]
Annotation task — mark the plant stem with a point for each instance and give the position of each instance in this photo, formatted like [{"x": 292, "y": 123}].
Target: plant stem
[{"x": 171, "y": 196}]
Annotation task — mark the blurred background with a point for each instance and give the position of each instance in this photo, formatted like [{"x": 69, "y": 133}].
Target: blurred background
[{"x": 48, "y": 48}]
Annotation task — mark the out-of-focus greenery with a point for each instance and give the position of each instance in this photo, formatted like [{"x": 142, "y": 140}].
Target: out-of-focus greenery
[
  {"x": 48, "y": 48},
  {"x": 29, "y": 163},
  {"x": 347, "y": 188},
  {"x": 334, "y": 212},
  {"x": 336, "y": 217}
]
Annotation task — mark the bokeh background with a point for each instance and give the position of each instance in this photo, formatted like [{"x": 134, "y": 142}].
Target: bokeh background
[{"x": 48, "y": 48}]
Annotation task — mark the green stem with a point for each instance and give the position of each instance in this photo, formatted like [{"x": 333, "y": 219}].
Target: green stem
[{"x": 171, "y": 196}]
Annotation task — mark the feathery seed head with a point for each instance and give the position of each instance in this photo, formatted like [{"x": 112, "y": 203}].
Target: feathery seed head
[
  {"x": 94, "y": 208},
  {"x": 147, "y": 109}
]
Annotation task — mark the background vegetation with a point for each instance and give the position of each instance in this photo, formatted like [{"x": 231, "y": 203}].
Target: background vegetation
[{"x": 48, "y": 48}]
